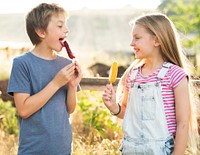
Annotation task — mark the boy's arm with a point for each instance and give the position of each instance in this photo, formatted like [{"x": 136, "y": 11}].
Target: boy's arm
[
  {"x": 71, "y": 99},
  {"x": 73, "y": 85},
  {"x": 27, "y": 105},
  {"x": 182, "y": 103}
]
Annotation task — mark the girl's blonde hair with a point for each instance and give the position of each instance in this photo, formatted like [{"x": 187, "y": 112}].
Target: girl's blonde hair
[{"x": 162, "y": 27}]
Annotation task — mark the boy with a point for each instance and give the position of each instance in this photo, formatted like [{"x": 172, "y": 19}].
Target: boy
[{"x": 44, "y": 85}]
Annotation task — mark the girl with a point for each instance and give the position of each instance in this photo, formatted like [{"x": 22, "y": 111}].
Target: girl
[{"x": 153, "y": 95}]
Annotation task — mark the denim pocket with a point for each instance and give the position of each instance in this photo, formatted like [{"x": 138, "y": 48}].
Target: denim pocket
[
  {"x": 148, "y": 108},
  {"x": 132, "y": 147},
  {"x": 128, "y": 147}
]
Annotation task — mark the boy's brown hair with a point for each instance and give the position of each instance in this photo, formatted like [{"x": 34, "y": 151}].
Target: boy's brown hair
[{"x": 39, "y": 17}]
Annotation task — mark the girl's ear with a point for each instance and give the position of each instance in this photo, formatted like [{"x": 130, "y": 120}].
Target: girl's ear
[
  {"x": 156, "y": 41},
  {"x": 41, "y": 33}
]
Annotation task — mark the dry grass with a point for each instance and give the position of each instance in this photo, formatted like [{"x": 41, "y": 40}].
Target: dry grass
[
  {"x": 8, "y": 144},
  {"x": 81, "y": 144},
  {"x": 99, "y": 147},
  {"x": 91, "y": 144}
]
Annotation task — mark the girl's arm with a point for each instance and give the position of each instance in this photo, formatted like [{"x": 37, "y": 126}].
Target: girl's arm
[
  {"x": 109, "y": 99},
  {"x": 182, "y": 104},
  {"x": 123, "y": 104}
]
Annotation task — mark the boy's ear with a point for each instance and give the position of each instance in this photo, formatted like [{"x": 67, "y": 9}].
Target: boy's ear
[{"x": 41, "y": 33}]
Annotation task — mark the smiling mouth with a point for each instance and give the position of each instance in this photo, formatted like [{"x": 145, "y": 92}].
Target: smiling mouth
[{"x": 136, "y": 50}]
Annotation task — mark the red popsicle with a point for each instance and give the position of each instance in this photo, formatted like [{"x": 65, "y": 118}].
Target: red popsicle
[{"x": 69, "y": 52}]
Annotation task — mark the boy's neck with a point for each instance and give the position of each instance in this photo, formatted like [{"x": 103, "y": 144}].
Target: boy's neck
[{"x": 44, "y": 53}]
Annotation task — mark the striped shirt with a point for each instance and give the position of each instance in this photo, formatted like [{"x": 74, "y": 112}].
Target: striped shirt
[{"x": 171, "y": 80}]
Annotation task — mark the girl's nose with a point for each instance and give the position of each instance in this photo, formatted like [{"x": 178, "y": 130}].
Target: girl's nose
[{"x": 132, "y": 43}]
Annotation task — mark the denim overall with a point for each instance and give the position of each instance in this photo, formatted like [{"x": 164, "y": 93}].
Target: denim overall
[{"x": 144, "y": 125}]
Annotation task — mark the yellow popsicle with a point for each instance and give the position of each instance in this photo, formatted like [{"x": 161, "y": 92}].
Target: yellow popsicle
[{"x": 113, "y": 72}]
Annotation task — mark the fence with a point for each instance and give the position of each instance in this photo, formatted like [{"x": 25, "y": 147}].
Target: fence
[
  {"x": 98, "y": 83},
  {"x": 90, "y": 83}
]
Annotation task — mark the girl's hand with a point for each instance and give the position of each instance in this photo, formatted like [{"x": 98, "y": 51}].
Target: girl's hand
[
  {"x": 77, "y": 76},
  {"x": 64, "y": 75},
  {"x": 109, "y": 99}
]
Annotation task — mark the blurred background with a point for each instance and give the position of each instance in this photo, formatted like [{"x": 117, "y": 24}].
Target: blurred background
[{"x": 99, "y": 34}]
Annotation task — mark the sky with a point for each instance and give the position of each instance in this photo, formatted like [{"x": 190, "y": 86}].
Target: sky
[{"x": 23, "y": 6}]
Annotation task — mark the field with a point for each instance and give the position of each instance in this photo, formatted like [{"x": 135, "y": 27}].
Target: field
[{"x": 95, "y": 131}]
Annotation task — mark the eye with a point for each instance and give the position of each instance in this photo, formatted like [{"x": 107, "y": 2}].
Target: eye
[{"x": 137, "y": 38}]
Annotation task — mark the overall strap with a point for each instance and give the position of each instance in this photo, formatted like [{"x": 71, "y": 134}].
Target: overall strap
[
  {"x": 164, "y": 69},
  {"x": 134, "y": 73}
]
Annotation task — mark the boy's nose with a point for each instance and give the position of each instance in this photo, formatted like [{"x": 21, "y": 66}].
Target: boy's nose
[{"x": 66, "y": 30}]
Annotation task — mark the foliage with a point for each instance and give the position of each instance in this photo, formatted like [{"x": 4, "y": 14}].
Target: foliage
[
  {"x": 95, "y": 116},
  {"x": 8, "y": 119},
  {"x": 95, "y": 130},
  {"x": 185, "y": 14}
]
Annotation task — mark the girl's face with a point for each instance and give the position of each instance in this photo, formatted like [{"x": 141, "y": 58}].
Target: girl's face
[
  {"x": 56, "y": 32},
  {"x": 143, "y": 43}
]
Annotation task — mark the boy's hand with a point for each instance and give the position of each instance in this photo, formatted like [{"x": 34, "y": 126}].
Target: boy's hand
[
  {"x": 77, "y": 76},
  {"x": 64, "y": 75}
]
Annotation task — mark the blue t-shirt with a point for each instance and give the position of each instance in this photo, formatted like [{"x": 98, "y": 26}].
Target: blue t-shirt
[{"x": 48, "y": 131}]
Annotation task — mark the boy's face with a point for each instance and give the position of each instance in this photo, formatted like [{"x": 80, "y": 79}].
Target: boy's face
[{"x": 56, "y": 31}]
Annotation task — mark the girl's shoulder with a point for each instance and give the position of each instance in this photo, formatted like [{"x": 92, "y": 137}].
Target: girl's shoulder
[
  {"x": 176, "y": 70},
  {"x": 176, "y": 74}
]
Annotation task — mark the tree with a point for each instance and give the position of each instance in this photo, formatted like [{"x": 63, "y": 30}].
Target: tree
[{"x": 186, "y": 16}]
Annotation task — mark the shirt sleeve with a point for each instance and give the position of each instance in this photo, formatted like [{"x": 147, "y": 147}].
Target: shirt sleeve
[
  {"x": 78, "y": 88},
  {"x": 19, "y": 79},
  {"x": 177, "y": 75}
]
